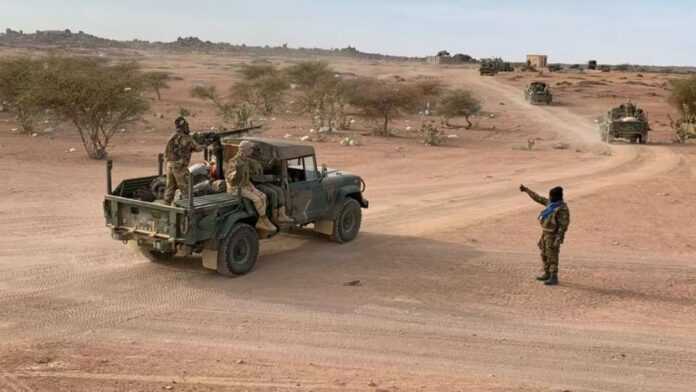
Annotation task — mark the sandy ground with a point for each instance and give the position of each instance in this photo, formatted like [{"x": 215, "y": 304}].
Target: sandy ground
[{"x": 446, "y": 260}]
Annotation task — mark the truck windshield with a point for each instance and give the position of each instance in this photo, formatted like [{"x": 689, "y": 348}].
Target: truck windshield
[{"x": 302, "y": 169}]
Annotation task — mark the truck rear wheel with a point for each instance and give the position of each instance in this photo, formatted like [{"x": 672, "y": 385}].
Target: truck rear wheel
[
  {"x": 238, "y": 252},
  {"x": 347, "y": 222}
]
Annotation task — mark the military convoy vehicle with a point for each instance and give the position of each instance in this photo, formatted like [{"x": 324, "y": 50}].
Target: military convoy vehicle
[
  {"x": 487, "y": 68},
  {"x": 220, "y": 226},
  {"x": 490, "y": 67},
  {"x": 538, "y": 93},
  {"x": 627, "y": 122}
]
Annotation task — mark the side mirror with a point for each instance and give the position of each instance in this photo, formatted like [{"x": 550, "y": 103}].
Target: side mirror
[{"x": 324, "y": 171}]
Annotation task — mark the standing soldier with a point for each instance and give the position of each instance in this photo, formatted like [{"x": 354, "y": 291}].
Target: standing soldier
[
  {"x": 554, "y": 219},
  {"x": 238, "y": 176},
  {"x": 178, "y": 156}
]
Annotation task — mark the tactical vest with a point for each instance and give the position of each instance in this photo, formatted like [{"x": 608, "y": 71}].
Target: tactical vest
[{"x": 178, "y": 149}]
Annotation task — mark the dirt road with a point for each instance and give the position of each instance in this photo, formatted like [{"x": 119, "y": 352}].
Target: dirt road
[{"x": 446, "y": 261}]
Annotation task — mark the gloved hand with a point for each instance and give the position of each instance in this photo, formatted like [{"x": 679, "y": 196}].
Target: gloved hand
[{"x": 523, "y": 188}]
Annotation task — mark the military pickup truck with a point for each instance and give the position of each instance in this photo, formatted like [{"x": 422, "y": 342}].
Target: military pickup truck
[
  {"x": 220, "y": 226},
  {"x": 490, "y": 67},
  {"x": 627, "y": 122},
  {"x": 538, "y": 93}
]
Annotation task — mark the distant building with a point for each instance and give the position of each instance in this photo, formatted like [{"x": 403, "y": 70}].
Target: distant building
[
  {"x": 592, "y": 64},
  {"x": 537, "y": 60}
]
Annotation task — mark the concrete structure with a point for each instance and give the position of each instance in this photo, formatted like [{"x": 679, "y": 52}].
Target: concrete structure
[{"x": 537, "y": 60}]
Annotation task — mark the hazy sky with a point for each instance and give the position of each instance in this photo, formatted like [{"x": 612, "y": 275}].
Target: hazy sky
[{"x": 637, "y": 31}]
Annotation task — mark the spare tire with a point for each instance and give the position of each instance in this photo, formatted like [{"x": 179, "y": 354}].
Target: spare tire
[{"x": 157, "y": 187}]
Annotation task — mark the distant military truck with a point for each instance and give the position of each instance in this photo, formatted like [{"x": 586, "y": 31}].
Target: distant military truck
[
  {"x": 490, "y": 67},
  {"x": 220, "y": 226},
  {"x": 627, "y": 122},
  {"x": 538, "y": 93}
]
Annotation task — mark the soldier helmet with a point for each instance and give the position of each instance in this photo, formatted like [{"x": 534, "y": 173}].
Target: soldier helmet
[
  {"x": 180, "y": 122},
  {"x": 246, "y": 146},
  {"x": 556, "y": 194}
]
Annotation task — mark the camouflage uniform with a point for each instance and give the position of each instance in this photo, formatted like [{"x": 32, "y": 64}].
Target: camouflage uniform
[
  {"x": 178, "y": 156},
  {"x": 238, "y": 175},
  {"x": 553, "y": 228}
]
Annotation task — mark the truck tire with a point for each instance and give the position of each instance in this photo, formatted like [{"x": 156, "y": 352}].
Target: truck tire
[
  {"x": 347, "y": 221},
  {"x": 238, "y": 252}
]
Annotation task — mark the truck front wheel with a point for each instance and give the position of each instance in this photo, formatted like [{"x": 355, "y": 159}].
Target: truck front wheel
[
  {"x": 347, "y": 222},
  {"x": 238, "y": 252}
]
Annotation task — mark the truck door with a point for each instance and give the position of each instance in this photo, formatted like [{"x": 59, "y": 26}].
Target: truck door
[{"x": 307, "y": 198}]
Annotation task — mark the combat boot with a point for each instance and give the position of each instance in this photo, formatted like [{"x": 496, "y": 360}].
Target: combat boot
[
  {"x": 264, "y": 224},
  {"x": 544, "y": 277},
  {"x": 553, "y": 280},
  {"x": 282, "y": 217}
]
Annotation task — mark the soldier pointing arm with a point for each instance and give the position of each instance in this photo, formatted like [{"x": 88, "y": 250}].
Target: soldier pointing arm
[{"x": 554, "y": 220}]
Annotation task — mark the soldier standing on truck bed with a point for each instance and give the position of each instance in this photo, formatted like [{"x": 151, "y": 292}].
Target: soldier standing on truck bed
[
  {"x": 554, "y": 219},
  {"x": 238, "y": 176},
  {"x": 178, "y": 156}
]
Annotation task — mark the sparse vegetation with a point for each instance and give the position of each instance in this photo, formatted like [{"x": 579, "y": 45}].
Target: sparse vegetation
[
  {"x": 321, "y": 92},
  {"x": 157, "y": 81},
  {"x": 431, "y": 134},
  {"x": 18, "y": 76},
  {"x": 384, "y": 99},
  {"x": 240, "y": 113},
  {"x": 459, "y": 103},
  {"x": 683, "y": 98},
  {"x": 429, "y": 91},
  {"x": 97, "y": 98},
  {"x": 263, "y": 86}
]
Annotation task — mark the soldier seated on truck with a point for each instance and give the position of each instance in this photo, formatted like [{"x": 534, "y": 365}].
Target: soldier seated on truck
[
  {"x": 274, "y": 193},
  {"x": 238, "y": 175}
]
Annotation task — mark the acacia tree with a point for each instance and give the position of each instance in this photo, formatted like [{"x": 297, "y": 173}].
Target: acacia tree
[
  {"x": 263, "y": 86},
  {"x": 97, "y": 98},
  {"x": 683, "y": 96},
  {"x": 322, "y": 93},
  {"x": 18, "y": 76},
  {"x": 384, "y": 99},
  {"x": 239, "y": 112},
  {"x": 429, "y": 91},
  {"x": 459, "y": 103},
  {"x": 157, "y": 81}
]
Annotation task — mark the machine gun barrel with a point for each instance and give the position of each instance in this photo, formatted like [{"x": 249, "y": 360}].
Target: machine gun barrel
[{"x": 209, "y": 138}]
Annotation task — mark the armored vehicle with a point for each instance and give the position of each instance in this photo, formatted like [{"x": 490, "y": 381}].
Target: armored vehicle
[
  {"x": 538, "y": 93},
  {"x": 627, "y": 122},
  {"x": 491, "y": 67},
  {"x": 220, "y": 226},
  {"x": 487, "y": 68}
]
